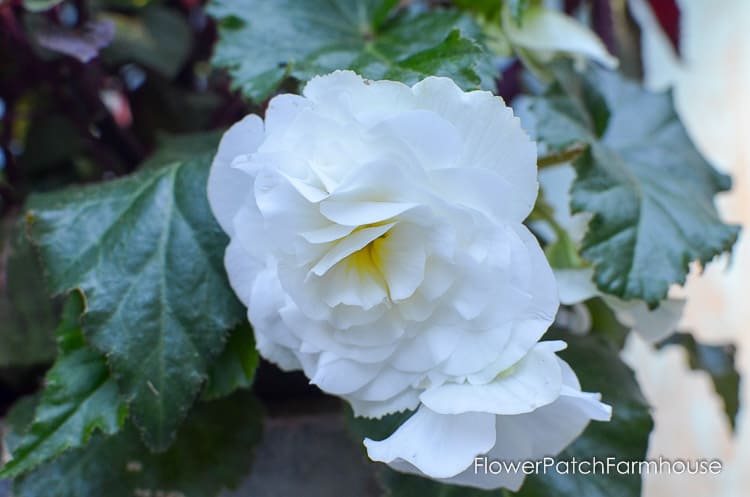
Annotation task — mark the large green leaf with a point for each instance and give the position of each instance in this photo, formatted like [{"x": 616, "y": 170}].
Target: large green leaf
[
  {"x": 214, "y": 450},
  {"x": 264, "y": 41},
  {"x": 147, "y": 254},
  {"x": 599, "y": 369},
  {"x": 79, "y": 399},
  {"x": 718, "y": 361},
  {"x": 650, "y": 190}
]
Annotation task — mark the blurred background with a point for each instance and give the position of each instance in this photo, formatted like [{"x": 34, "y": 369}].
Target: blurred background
[
  {"x": 703, "y": 55},
  {"x": 89, "y": 87}
]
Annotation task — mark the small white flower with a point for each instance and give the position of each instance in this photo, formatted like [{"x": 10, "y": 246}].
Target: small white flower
[{"x": 377, "y": 241}]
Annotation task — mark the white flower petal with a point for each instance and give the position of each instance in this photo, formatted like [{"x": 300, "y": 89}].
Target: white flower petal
[
  {"x": 345, "y": 93},
  {"x": 532, "y": 383},
  {"x": 428, "y": 348},
  {"x": 362, "y": 213},
  {"x": 227, "y": 187},
  {"x": 242, "y": 270},
  {"x": 482, "y": 189},
  {"x": 354, "y": 283},
  {"x": 653, "y": 325},
  {"x": 327, "y": 234},
  {"x": 401, "y": 259},
  {"x": 431, "y": 140},
  {"x": 536, "y": 317},
  {"x": 438, "y": 445},
  {"x": 407, "y": 400},
  {"x": 575, "y": 285},
  {"x": 284, "y": 209},
  {"x": 492, "y": 137},
  {"x": 556, "y": 182},
  {"x": 343, "y": 376},
  {"x": 476, "y": 350},
  {"x": 282, "y": 111},
  {"x": 318, "y": 336},
  {"x": 546, "y": 30},
  {"x": 349, "y": 245},
  {"x": 387, "y": 384}
]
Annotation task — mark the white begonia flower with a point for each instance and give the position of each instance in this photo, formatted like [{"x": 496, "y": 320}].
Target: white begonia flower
[
  {"x": 377, "y": 242},
  {"x": 545, "y": 32},
  {"x": 577, "y": 285}
]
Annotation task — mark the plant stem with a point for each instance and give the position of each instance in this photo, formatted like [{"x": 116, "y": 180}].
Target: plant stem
[{"x": 562, "y": 157}]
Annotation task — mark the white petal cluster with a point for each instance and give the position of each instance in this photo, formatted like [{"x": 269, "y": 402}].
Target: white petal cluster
[{"x": 377, "y": 242}]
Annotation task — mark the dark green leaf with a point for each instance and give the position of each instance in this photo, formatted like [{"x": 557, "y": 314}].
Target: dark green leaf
[
  {"x": 599, "y": 369},
  {"x": 604, "y": 322},
  {"x": 177, "y": 148},
  {"x": 148, "y": 256},
  {"x": 236, "y": 366},
  {"x": 719, "y": 362},
  {"x": 264, "y": 41},
  {"x": 650, "y": 190},
  {"x": 79, "y": 399},
  {"x": 214, "y": 450},
  {"x": 376, "y": 429},
  {"x": 51, "y": 140},
  {"x": 17, "y": 421},
  {"x": 27, "y": 315}
]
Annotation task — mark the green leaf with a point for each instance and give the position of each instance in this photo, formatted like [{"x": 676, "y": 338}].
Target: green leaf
[
  {"x": 148, "y": 256},
  {"x": 213, "y": 451},
  {"x": 27, "y": 314},
  {"x": 236, "y": 366},
  {"x": 17, "y": 421},
  {"x": 604, "y": 323},
  {"x": 79, "y": 399},
  {"x": 52, "y": 139},
  {"x": 719, "y": 362},
  {"x": 486, "y": 8},
  {"x": 599, "y": 369},
  {"x": 376, "y": 429},
  {"x": 177, "y": 148},
  {"x": 650, "y": 190},
  {"x": 264, "y": 41}
]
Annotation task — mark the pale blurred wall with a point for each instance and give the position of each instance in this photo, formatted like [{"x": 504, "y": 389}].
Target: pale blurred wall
[{"x": 712, "y": 93}]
